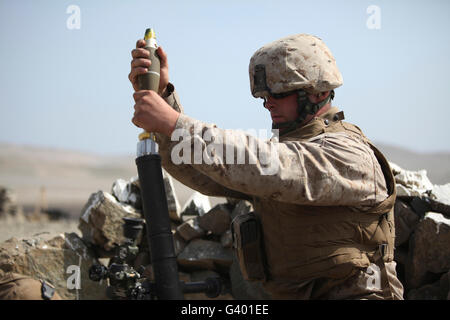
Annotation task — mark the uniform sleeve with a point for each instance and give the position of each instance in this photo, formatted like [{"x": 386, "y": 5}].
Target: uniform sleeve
[
  {"x": 185, "y": 173},
  {"x": 336, "y": 169}
]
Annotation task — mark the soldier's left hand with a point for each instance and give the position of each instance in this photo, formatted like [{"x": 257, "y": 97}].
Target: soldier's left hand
[{"x": 153, "y": 114}]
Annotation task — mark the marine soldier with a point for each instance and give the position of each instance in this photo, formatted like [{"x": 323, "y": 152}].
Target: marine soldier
[{"x": 326, "y": 212}]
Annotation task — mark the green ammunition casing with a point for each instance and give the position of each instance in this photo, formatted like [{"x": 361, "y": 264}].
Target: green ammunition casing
[{"x": 150, "y": 80}]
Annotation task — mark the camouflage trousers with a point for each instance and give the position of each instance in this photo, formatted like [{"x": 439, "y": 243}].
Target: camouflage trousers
[{"x": 365, "y": 284}]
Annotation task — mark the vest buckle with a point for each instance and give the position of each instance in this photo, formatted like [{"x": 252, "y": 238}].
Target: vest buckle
[{"x": 383, "y": 249}]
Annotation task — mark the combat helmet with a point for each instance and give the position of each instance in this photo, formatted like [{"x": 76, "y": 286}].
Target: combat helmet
[{"x": 299, "y": 63}]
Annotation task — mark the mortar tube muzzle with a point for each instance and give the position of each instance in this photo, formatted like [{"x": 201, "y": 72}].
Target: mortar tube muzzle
[{"x": 146, "y": 145}]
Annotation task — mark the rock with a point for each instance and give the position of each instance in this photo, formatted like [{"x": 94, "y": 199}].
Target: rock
[
  {"x": 217, "y": 220},
  {"x": 202, "y": 254},
  {"x": 439, "y": 290},
  {"x": 62, "y": 260},
  {"x": 414, "y": 180},
  {"x": 226, "y": 239},
  {"x": 198, "y": 204},
  {"x": 405, "y": 221},
  {"x": 101, "y": 220},
  {"x": 172, "y": 200},
  {"x": 185, "y": 218},
  {"x": 403, "y": 191},
  {"x": 396, "y": 169},
  {"x": 178, "y": 243},
  {"x": 202, "y": 275},
  {"x": 127, "y": 192},
  {"x": 429, "y": 250},
  {"x": 401, "y": 258},
  {"x": 441, "y": 193},
  {"x": 416, "y": 183},
  {"x": 190, "y": 230},
  {"x": 426, "y": 292},
  {"x": 232, "y": 202},
  {"x": 242, "y": 207}
]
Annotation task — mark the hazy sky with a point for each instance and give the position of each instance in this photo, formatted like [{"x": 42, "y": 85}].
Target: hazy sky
[{"x": 67, "y": 87}]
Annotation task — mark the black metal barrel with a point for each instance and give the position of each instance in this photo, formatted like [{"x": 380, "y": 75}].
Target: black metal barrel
[{"x": 156, "y": 213}]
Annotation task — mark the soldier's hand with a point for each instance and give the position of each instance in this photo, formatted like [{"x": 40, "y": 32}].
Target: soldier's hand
[
  {"x": 141, "y": 62},
  {"x": 153, "y": 114}
]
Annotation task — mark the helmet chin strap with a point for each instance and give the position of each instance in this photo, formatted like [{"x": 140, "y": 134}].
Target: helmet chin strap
[{"x": 305, "y": 108}]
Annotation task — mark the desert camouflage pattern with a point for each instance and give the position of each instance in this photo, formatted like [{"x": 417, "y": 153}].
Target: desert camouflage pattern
[
  {"x": 300, "y": 164},
  {"x": 185, "y": 172},
  {"x": 296, "y": 62}
]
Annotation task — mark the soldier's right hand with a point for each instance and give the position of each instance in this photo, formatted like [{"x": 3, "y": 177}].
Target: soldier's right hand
[{"x": 141, "y": 62}]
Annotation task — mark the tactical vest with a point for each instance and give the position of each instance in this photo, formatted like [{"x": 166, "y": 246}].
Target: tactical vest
[{"x": 313, "y": 242}]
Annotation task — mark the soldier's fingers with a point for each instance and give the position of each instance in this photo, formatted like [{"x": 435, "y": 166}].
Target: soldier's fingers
[
  {"x": 140, "y": 62},
  {"x": 135, "y": 72},
  {"x": 140, "y": 43},
  {"x": 139, "y": 94},
  {"x": 140, "y": 53},
  {"x": 162, "y": 56},
  {"x": 135, "y": 120}
]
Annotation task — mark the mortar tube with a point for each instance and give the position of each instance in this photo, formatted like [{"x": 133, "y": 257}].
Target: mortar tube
[{"x": 153, "y": 194}]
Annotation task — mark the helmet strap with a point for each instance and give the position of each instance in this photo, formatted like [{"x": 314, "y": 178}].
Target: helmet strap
[{"x": 305, "y": 108}]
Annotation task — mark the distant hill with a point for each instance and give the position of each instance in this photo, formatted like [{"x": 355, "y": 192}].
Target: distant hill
[{"x": 70, "y": 177}]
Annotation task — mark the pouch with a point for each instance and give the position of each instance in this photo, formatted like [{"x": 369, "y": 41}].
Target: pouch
[{"x": 248, "y": 244}]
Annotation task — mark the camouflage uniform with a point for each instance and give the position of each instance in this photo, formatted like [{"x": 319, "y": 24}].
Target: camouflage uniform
[
  {"x": 326, "y": 209},
  {"x": 15, "y": 286}
]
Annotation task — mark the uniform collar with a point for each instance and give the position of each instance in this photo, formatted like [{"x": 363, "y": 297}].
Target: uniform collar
[{"x": 314, "y": 127}]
